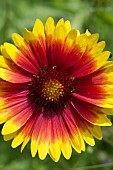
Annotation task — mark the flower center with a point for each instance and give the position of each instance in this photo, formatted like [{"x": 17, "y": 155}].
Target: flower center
[{"x": 51, "y": 89}]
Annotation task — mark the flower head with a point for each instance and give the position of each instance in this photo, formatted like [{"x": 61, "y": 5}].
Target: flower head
[{"x": 56, "y": 88}]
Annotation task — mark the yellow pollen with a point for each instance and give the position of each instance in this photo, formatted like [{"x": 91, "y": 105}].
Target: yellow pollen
[{"x": 52, "y": 90}]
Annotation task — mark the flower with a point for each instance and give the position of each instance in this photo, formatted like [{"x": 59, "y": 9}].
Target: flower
[{"x": 56, "y": 89}]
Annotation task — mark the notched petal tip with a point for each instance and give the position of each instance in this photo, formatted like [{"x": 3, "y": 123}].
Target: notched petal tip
[
  {"x": 25, "y": 142},
  {"x": 28, "y": 35},
  {"x": 54, "y": 158},
  {"x": 87, "y": 32}
]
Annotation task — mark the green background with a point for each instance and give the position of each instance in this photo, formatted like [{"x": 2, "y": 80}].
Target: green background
[{"x": 97, "y": 16}]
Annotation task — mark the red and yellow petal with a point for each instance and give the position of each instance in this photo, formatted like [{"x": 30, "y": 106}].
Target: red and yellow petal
[
  {"x": 73, "y": 131},
  {"x": 90, "y": 63},
  {"x": 27, "y": 130},
  {"x": 25, "y": 49},
  {"x": 19, "y": 59},
  {"x": 10, "y": 71},
  {"x": 87, "y": 112},
  {"x": 93, "y": 58},
  {"x": 8, "y": 89},
  {"x": 96, "y": 91},
  {"x": 24, "y": 133},
  {"x": 39, "y": 51},
  {"x": 17, "y": 121},
  {"x": 86, "y": 129},
  {"x": 103, "y": 78},
  {"x": 13, "y": 105},
  {"x": 11, "y": 76},
  {"x": 36, "y": 135},
  {"x": 55, "y": 133},
  {"x": 37, "y": 46}
]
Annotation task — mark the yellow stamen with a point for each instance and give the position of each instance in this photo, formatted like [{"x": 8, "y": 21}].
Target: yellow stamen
[{"x": 53, "y": 89}]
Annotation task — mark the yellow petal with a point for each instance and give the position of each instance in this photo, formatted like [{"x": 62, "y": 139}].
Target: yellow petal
[
  {"x": 38, "y": 28},
  {"x": 78, "y": 33},
  {"x": 97, "y": 48},
  {"x": 49, "y": 26},
  {"x": 102, "y": 120},
  {"x": 102, "y": 58},
  {"x": 82, "y": 144},
  {"x": 9, "y": 136},
  {"x": 55, "y": 150},
  {"x": 71, "y": 37},
  {"x": 96, "y": 131},
  {"x": 92, "y": 39},
  {"x": 43, "y": 149},
  {"x": 66, "y": 149},
  {"x": 9, "y": 127},
  {"x": 81, "y": 40},
  {"x": 60, "y": 23},
  {"x": 88, "y": 137},
  {"x": 67, "y": 25},
  {"x": 107, "y": 103},
  {"x": 28, "y": 36},
  {"x": 76, "y": 142},
  {"x": 108, "y": 66},
  {"x": 25, "y": 142},
  {"x": 107, "y": 111},
  {"x": 4, "y": 62},
  {"x": 60, "y": 33},
  {"x": 18, "y": 40},
  {"x": 34, "y": 146},
  {"x": 4, "y": 52},
  {"x": 3, "y": 117},
  {"x": 17, "y": 140},
  {"x": 11, "y": 49}
]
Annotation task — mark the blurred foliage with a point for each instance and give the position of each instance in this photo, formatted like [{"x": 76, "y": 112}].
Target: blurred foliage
[{"x": 97, "y": 16}]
